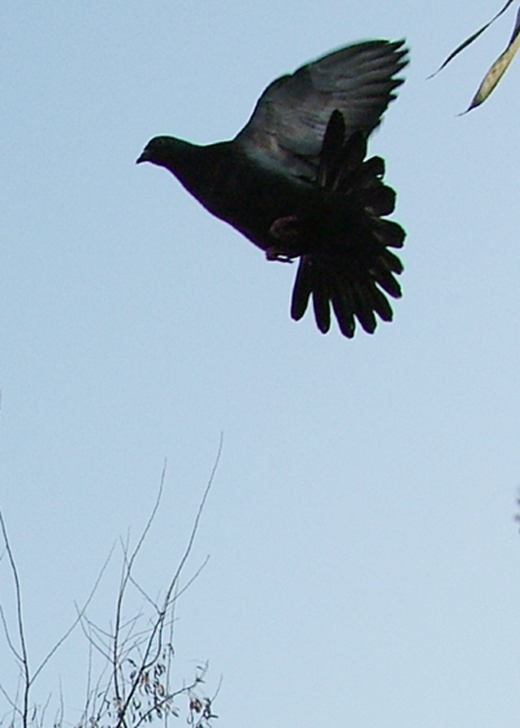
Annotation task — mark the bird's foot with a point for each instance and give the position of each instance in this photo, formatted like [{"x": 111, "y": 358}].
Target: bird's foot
[
  {"x": 278, "y": 254},
  {"x": 286, "y": 230}
]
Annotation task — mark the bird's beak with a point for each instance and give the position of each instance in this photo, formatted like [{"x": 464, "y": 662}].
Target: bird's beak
[{"x": 142, "y": 158}]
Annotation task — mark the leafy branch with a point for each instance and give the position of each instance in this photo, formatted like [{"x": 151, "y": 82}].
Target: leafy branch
[{"x": 499, "y": 67}]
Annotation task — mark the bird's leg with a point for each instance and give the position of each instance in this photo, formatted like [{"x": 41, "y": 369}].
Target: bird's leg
[
  {"x": 285, "y": 228},
  {"x": 275, "y": 253},
  {"x": 286, "y": 231}
]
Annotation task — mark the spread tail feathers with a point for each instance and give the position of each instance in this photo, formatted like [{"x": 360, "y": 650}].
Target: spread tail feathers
[{"x": 353, "y": 269}]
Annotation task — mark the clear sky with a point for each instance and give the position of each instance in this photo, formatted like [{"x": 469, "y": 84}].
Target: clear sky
[{"x": 365, "y": 565}]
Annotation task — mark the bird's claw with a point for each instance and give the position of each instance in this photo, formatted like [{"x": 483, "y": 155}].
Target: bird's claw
[
  {"x": 276, "y": 253},
  {"x": 287, "y": 231}
]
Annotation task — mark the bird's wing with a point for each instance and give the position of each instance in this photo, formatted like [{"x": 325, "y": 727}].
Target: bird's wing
[{"x": 288, "y": 123}]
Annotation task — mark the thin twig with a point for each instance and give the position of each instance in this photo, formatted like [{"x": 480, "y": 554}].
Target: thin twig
[
  {"x": 191, "y": 580},
  {"x": 197, "y": 518},
  {"x": 166, "y": 699},
  {"x": 157, "y": 629},
  {"x": 21, "y": 632},
  {"x": 106, "y": 654},
  {"x": 58, "y": 722},
  {"x": 122, "y": 591},
  {"x": 8, "y": 636},
  {"x": 217, "y": 691},
  {"x": 88, "y": 692},
  {"x": 169, "y": 658},
  {"x": 11, "y": 702},
  {"x": 144, "y": 594},
  {"x": 44, "y": 709},
  {"x": 76, "y": 621}
]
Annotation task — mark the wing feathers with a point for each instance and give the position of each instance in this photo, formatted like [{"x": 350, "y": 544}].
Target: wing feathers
[{"x": 290, "y": 118}]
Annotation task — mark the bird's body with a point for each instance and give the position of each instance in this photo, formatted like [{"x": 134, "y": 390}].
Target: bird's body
[
  {"x": 215, "y": 172},
  {"x": 295, "y": 182}
]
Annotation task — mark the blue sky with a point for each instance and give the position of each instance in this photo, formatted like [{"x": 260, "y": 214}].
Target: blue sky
[{"x": 364, "y": 562}]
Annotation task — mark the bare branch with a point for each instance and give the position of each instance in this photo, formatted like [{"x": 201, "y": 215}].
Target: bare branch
[
  {"x": 197, "y": 519},
  {"x": 8, "y": 636},
  {"x": 124, "y": 583},
  {"x": 11, "y": 702},
  {"x": 133, "y": 687},
  {"x": 154, "y": 644},
  {"x": 21, "y": 631},
  {"x": 44, "y": 709},
  {"x": 191, "y": 580},
  {"x": 76, "y": 621}
]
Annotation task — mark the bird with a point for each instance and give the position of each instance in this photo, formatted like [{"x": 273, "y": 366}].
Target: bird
[{"x": 297, "y": 183}]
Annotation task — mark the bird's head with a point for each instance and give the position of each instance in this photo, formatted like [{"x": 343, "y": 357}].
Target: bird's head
[{"x": 157, "y": 150}]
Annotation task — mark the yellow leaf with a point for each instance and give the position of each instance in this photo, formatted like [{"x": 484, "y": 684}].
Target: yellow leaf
[
  {"x": 496, "y": 71},
  {"x": 471, "y": 39}
]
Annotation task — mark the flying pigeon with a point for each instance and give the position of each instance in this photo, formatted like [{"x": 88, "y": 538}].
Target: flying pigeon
[{"x": 296, "y": 182}]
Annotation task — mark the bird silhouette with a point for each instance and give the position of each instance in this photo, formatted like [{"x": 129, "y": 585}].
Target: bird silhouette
[{"x": 296, "y": 182}]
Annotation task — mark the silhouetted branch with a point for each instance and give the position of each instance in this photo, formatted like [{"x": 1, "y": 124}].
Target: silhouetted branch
[{"x": 133, "y": 686}]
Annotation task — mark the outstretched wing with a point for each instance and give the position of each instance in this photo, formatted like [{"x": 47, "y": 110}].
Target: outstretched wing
[{"x": 287, "y": 126}]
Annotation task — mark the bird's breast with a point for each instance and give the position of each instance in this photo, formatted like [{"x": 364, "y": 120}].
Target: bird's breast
[{"x": 247, "y": 198}]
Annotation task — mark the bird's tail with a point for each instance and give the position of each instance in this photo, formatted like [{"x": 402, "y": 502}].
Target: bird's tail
[{"x": 358, "y": 270}]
